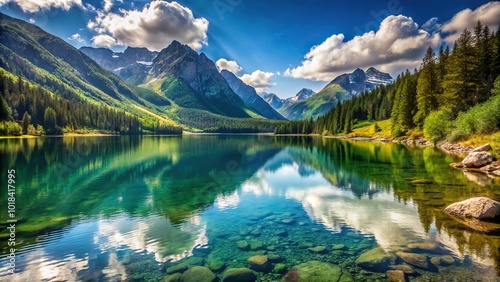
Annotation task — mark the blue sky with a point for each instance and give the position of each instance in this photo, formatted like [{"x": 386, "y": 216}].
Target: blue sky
[{"x": 267, "y": 38}]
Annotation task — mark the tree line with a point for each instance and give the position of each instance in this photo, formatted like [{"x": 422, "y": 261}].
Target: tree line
[
  {"x": 450, "y": 87},
  {"x": 30, "y": 109}
]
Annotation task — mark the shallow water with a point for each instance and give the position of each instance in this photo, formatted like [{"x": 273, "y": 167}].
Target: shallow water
[{"x": 135, "y": 208}]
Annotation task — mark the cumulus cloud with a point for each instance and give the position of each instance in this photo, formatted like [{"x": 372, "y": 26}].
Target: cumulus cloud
[
  {"x": 32, "y": 20},
  {"x": 232, "y": 66},
  {"x": 107, "y": 5},
  {"x": 258, "y": 80},
  {"x": 154, "y": 27},
  {"x": 76, "y": 37},
  {"x": 488, "y": 14},
  {"x": 398, "y": 44},
  {"x": 37, "y": 5},
  {"x": 103, "y": 40}
]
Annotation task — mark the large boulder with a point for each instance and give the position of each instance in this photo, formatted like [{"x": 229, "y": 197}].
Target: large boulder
[
  {"x": 477, "y": 159},
  {"x": 375, "y": 260},
  {"x": 417, "y": 260},
  {"x": 483, "y": 148},
  {"x": 478, "y": 208},
  {"x": 239, "y": 275},
  {"x": 198, "y": 274},
  {"x": 317, "y": 271}
]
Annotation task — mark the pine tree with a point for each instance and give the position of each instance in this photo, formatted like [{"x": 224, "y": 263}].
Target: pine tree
[
  {"x": 50, "y": 121},
  {"x": 26, "y": 122},
  {"x": 5, "y": 110},
  {"x": 427, "y": 88}
]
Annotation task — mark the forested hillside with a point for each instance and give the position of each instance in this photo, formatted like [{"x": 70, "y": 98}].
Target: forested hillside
[{"x": 452, "y": 95}]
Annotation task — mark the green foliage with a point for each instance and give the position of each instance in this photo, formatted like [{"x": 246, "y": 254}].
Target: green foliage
[
  {"x": 438, "y": 124},
  {"x": 10, "y": 128},
  {"x": 377, "y": 127},
  {"x": 295, "y": 127}
]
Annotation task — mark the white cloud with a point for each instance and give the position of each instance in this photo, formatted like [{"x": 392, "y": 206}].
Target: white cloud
[
  {"x": 32, "y": 20},
  {"x": 488, "y": 14},
  {"x": 398, "y": 44},
  {"x": 76, "y": 37},
  {"x": 103, "y": 40},
  {"x": 232, "y": 66},
  {"x": 37, "y": 5},
  {"x": 432, "y": 25},
  {"x": 154, "y": 27},
  {"x": 107, "y": 5},
  {"x": 258, "y": 80}
]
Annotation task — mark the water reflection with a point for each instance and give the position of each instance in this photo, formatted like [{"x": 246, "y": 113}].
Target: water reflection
[{"x": 90, "y": 206}]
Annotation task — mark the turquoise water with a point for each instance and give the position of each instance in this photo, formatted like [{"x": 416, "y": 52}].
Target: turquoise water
[{"x": 143, "y": 208}]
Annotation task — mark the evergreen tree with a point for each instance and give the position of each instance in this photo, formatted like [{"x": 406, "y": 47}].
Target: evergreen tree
[
  {"x": 427, "y": 88},
  {"x": 26, "y": 122},
  {"x": 50, "y": 121},
  {"x": 460, "y": 81},
  {"x": 5, "y": 110}
]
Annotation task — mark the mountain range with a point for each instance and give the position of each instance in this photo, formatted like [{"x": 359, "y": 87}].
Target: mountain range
[
  {"x": 308, "y": 104},
  {"x": 176, "y": 86}
]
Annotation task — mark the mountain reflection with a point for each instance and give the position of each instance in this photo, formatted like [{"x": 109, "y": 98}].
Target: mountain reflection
[{"x": 89, "y": 203}]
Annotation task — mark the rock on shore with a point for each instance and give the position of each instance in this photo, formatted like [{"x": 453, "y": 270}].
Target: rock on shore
[{"x": 478, "y": 208}]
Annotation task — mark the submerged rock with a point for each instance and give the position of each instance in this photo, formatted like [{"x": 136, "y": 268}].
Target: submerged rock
[
  {"x": 338, "y": 247},
  {"x": 423, "y": 247},
  {"x": 198, "y": 274},
  {"x": 259, "y": 263},
  {"x": 478, "y": 208},
  {"x": 256, "y": 245},
  {"x": 239, "y": 275},
  {"x": 477, "y": 159},
  {"x": 442, "y": 260},
  {"x": 405, "y": 268},
  {"x": 375, "y": 260},
  {"x": 216, "y": 265},
  {"x": 243, "y": 245},
  {"x": 279, "y": 268},
  {"x": 395, "y": 275},
  {"x": 176, "y": 277},
  {"x": 317, "y": 271},
  {"x": 185, "y": 264},
  {"x": 417, "y": 260},
  {"x": 318, "y": 249}
]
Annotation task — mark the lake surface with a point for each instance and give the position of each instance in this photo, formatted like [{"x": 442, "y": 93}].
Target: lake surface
[{"x": 135, "y": 208}]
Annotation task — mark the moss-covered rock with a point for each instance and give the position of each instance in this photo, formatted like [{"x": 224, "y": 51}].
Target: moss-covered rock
[
  {"x": 243, "y": 245},
  {"x": 259, "y": 263},
  {"x": 176, "y": 277},
  {"x": 279, "y": 268},
  {"x": 239, "y": 275},
  {"x": 417, "y": 260},
  {"x": 375, "y": 260},
  {"x": 256, "y": 245},
  {"x": 184, "y": 265},
  {"x": 317, "y": 249},
  {"x": 216, "y": 265},
  {"x": 317, "y": 271},
  {"x": 198, "y": 274}
]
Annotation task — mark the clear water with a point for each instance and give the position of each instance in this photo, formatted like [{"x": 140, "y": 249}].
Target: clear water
[{"x": 130, "y": 208}]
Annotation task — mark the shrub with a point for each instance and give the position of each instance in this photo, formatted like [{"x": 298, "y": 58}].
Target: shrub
[{"x": 438, "y": 124}]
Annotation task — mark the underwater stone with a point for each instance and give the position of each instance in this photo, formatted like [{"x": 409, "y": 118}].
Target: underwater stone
[
  {"x": 243, "y": 245},
  {"x": 198, "y": 274},
  {"x": 414, "y": 259},
  {"x": 395, "y": 275},
  {"x": 273, "y": 257},
  {"x": 279, "y": 268},
  {"x": 317, "y": 249},
  {"x": 239, "y": 275},
  {"x": 317, "y": 271},
  {"x": 423, "y": 247},
  {"x": 176, "y": 277},
  {"x": 256, "y": 245},
  {"x": 288, "y": 221},
  {"x": 259, "y": 263},
  {"x": 185, "y": 264},
  {"x": 282, "y": 233},
  {"x": 405, "y": 268},
  {"x": 216, "y": 265},
  {"x": 375, "y": 260},
  {"x": 338, "y": 247}
]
